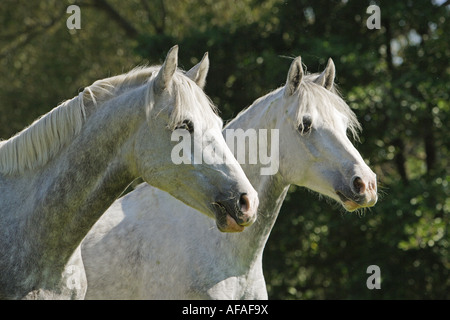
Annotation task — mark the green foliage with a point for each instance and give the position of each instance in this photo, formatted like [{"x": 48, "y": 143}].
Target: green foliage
[
  {"x": 315, "y": 253},
  {"x": 396, "y": 79}
]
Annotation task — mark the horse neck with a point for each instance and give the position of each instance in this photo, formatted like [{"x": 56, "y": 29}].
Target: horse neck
[
  {"x": 82, "y": 181},
  {"x": 272, "y": 189}
]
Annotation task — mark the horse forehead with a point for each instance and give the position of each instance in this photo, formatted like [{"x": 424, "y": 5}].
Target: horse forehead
[{"x": 322, "y": 109}]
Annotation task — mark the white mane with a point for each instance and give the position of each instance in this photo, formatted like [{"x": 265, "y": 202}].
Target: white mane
[
  {"x": 312, "y": 95},
  {"x": 34, "y": 146},
  {"x": 190, "y": 102},
  {"x": 324, "y": 100}
]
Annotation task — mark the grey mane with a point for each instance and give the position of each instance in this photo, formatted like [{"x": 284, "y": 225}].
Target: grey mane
[{"x": 34, "y": 146}]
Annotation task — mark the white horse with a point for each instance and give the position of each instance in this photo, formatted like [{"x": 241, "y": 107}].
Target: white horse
[
  {"x": 58, "y": 176},
  {"x": 128, "y": 255}
]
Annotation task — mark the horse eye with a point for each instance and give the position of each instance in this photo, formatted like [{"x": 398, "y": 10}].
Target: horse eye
[
  {"x": 186, "y": 125},
  {"x": 305, "y": 126}
]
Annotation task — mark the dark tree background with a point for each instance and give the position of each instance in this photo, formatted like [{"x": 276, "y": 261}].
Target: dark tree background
[{"x": 395, "y": 78}]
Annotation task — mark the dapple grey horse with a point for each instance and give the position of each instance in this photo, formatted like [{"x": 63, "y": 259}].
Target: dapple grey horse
[{"x": 58, "y": 176}]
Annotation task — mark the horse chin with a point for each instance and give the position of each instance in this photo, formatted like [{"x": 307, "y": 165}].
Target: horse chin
[
  {"x": 231, "y": 225},
  {"x": 224, "y": 221},
  {"x": 351, "y": 206},
  {"x": 348, "y": 204}
]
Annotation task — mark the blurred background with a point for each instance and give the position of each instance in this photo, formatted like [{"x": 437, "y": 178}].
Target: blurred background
[{"x": 396, "y": 79}]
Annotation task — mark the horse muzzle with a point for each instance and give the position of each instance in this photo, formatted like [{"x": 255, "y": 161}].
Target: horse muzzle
[
  {"x": 233, "y": 215},
  {"x": 362, "y": 193}
]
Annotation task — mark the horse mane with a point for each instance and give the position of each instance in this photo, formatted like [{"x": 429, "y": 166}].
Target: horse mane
[
  {"x": 324, "y": 99},
  {"x": 192, "y": 103},
  {"x": 39, "y": 142},
  {"x": 35, "y": 145}
]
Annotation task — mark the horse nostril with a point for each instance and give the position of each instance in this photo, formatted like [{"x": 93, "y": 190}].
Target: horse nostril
[
  {"x": 359, "y": 185},
  {"x": 244, "y": 202}
]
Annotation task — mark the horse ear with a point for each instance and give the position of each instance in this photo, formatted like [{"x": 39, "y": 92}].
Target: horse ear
[
  {"x": 199, "y": 72},
  {"x": 326, "y": 78},
  {"x": 294, "y": 77},
  {"x": 167, "y": 70}
]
